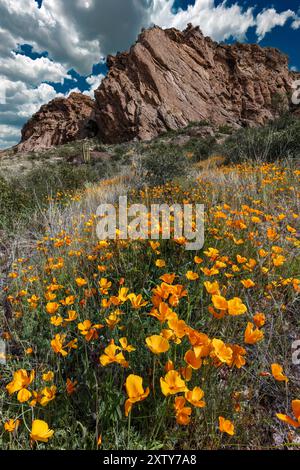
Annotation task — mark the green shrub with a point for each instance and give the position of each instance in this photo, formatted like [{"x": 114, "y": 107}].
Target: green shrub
[
  {"x": 164, "y": 165},
  {"x": 12, "y": 200},
  {"x": 278, "y": 139}
]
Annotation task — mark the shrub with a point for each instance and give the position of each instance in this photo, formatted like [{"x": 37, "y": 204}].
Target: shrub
[
  {"x": 278, "y": 139},
  {"x": 163, "y": 165}
]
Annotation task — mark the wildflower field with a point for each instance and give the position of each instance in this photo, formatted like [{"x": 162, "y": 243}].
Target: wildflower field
[{"x": 144, "y": 345}]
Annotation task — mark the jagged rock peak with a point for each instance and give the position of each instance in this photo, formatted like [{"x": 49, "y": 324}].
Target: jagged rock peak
[{"x": 169, "y": 78}]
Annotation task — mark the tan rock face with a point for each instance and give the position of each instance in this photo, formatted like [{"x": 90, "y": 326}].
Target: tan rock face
[
  {"x": 171, "y": 78},
  {"x": 58, "y": 122}
]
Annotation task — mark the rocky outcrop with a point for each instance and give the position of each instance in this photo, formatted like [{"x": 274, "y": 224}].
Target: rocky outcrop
[
  {"x": 167, "y": 80},
  {"x": 170, "y": 78},
  {"x": 58, "y": 122}
]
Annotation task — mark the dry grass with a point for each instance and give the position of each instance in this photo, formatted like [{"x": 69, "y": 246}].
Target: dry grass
[{"x": 248, "y": 208}]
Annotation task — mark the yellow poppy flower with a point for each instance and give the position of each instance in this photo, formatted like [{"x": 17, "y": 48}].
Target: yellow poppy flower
[
  {"x": 57, "y": 344},
  {"x": 212, "y": 287},
  {"x": 160, "y": 263},
  {"x": 191, "y": 276},
  {"x": 236, "y": 307},
  {"x": 48, "y": 377},
  {"x": 111, "y": 355},
  {"x": 80, "y": 282},
  {"x": 125, "y": 346},
  {"x": 48, "y": 394},
  {"x": 137, "y": 301},
  {"x": 40, "y": 431},
  {"x": 157, "y": 344},
  {"x": 21, "y": 380}
]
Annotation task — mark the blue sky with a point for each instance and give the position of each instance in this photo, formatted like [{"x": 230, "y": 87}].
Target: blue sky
[{"x": 49, "y": 48}]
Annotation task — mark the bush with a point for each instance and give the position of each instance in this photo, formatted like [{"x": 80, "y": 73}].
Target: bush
[
  {"x": 204, "y": 148},
  {"x": 163, "y": 165},
  {"x": 279, "y": 139},
  {"x": 12, "y": 200}
]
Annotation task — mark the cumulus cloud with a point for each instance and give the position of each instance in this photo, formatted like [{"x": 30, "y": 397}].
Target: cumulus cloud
[
  {"x": 94, "y": 82},
  {"x": 268, "y": 19},
  {"x": 219, "y": 22},
  {"x": 19, "y": 103},
  {"x": 20, "y": 67},
  {"x": 296, "y": 23},
  {"x": 77, "y": 33}
]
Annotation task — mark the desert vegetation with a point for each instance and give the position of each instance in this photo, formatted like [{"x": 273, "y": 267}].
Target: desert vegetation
[{"x": 142, "y": 344}]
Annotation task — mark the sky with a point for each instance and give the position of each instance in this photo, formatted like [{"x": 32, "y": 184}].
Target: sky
[{"x": 49, "y": 48}]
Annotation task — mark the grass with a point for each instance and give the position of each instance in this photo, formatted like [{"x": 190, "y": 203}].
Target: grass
[{"x": 62, "y": 276}]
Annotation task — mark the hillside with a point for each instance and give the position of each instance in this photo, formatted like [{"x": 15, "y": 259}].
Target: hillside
[{"x": 132, "y": 344}]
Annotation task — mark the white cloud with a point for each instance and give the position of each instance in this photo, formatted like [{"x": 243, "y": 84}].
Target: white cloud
[
  {"x": 21, "y": 67},
  {"x": 219, "y": 22},
  {"x": 94, "y": 82},
  {"x": 78, "y": 33},
  {"x": 268, "y": 19},
  {"x": 296, "y": 23},
  {"x": 21, "y": 102}
]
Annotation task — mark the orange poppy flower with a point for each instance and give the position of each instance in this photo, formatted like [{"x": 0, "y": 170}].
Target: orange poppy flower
[
  {"x": 277, "y": 372},
  {"x": 172, "y": 383},
  {"x": 252, "y": 336},
  {"x": 135, "y": 391},
  {"x": 195, "y": 397},
  {"x": 259, "y": 319},
  {"x": 157, "y": 344},
  {"x": 163, "y": 313},
  {"x": 236, "y": 307},
  {"x": 238, "y": 354},
  {"x": 226, "y": 426},
  {"x": 183, "y": 413},
  {"x": 111, "y": 355},
  {"x": 222, "y": 352},
  {"x": 168, "y": 278},
  {"x": 192, "y": 360},
  {"x": 296, "y": 412},
  {"x": 248, "y": 283}
]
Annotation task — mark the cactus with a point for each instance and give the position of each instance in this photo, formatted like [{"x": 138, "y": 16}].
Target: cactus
[{"x": 86, "y": 152}]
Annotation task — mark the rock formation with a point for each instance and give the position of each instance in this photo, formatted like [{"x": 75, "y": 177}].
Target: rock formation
[
  {"x": 171, "y": 78},
  {"x": 168, "y": 79},
  {"x": 58, "y": 122}
]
